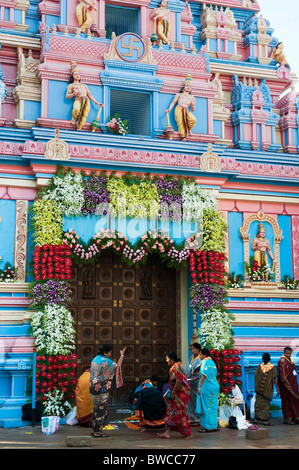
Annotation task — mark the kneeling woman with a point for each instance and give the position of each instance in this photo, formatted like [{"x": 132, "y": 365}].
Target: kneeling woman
[
  {"x": 207, "y": 393},
  {"x": 150, "y": 407}
]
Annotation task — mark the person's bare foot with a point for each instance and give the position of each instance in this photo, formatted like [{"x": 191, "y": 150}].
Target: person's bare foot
[
  {"x": 165, "y": 435},
  {"x": 188, "y": 437}
]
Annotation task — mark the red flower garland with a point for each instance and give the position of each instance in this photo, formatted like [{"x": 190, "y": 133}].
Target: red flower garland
[
  {"x": 52, "y": 262},
  {"x": 229, "y": 369},
  {"x": 54, "y": 372},
  {"x": 207, "y": 267}
]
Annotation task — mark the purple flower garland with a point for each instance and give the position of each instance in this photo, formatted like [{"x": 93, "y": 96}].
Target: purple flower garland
[
  {"x": 170, "y": 192},
  {"x": 206, "y": 296},
  {"x": 95, "y": 193}
]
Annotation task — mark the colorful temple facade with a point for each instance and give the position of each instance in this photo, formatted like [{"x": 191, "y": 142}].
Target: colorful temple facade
[{"x": 208, "y": 94}]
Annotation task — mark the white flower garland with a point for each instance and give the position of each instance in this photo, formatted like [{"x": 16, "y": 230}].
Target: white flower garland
[
  {"x": 53, "y": 330},
  {"x": 55, "y": 404},
  {"x": 67, "y": 193},
  {"x": 215, "y": 329},
  {"x": 196, "y": 200}
]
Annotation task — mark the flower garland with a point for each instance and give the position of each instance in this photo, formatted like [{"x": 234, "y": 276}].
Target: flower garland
[
  {"x": 94, "y": 193},
  {"x": 55, "y": 404},
  {"x": 56, "y": 375},
  {"x": 52, "y": 328},
  {"x": 74, "y": 194},
  {"x": 153, "y": 242},
  {"x": 8, "y": 274},
  {"x": 229, "y": 369},
  {"x": 66, "y": 192}
]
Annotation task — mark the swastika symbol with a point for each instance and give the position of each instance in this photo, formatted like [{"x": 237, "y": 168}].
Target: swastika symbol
[{"x": 130, "y": 47}]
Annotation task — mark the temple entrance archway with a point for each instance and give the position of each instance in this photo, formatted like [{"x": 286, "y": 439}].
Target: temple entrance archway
[{"x": 122, "y": 306}]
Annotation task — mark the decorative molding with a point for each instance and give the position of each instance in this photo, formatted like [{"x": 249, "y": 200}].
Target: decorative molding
[
  {"x": 57, "y": 149},
  {"x": 210, "y": 161},
  {"x": 21, "y": 228}
]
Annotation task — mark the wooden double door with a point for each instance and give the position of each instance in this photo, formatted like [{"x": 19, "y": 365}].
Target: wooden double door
[{"x": 122, "y": 306}]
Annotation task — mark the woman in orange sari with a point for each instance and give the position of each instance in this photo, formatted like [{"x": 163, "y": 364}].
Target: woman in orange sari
[
  {"x": 177, "y": 418},
  {"x": 84, "y": 399}
]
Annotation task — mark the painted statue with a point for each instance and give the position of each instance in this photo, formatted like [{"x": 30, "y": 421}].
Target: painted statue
[
  {"x": 82, "y": 96},
  {"x": 260, "y": 246},
  {"x": 162, "y": 23},
  {"x": 184, "y": 118},
  {"x": 85, "y": 13},
  {"x": 279, "y": 55}
]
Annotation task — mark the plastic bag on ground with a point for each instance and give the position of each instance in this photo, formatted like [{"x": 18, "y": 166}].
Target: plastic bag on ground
[
  {"x": 242, "y": 423},
  {"x": 50, "y": 424},
  {"x": 71, "y": 417},
  {"x": 252, "y": 407},
  {"x": 224, "y": 415}
]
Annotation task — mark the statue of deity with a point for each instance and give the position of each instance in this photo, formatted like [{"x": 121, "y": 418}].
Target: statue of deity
[
  {"x": 82, "y": 96},
  {"x": 184, "y": 118},
  {"x": 159, "y": 15},
  {"x": 279, "y": 55},
  {"x": 260, "y": 246},
  {"x": 85, "y": 13}
]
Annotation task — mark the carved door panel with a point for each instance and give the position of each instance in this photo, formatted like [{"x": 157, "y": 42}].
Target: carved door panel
[{"x": 130, "y": 307}]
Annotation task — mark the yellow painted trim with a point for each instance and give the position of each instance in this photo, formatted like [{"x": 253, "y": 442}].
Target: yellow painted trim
[
  {"x": 269, "y": 293},
  {"x": 9, "y": 317},
  {"x": 14, "y": 287},
  {"x": 258, "y": 197},
  {"x": 243, "y": 319}
]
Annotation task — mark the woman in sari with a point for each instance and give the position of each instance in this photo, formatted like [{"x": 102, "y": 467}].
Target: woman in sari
[
  {"x": 177, "y": 397},
  {"x": 265, "y": 378},
  {"x": 102, "y": 372},
  {"x": 150, "y": 406},
  {"x": 84, "y": 399},
  {"x": 207, "y": 393},
  {"x": 192, "y": 370}
]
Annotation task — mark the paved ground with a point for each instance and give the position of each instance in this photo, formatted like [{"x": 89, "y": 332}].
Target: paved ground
[{"x": 122, "y": 438}]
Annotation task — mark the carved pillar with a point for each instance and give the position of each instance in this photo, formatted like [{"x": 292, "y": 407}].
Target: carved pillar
[{"x": 21, "y": 224}]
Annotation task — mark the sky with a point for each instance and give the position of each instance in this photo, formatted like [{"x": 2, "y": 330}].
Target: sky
[{"x": 284, "y": 19}]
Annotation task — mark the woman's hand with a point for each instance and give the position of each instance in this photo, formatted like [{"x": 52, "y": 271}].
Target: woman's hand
[{"x": 122, "y": 352}]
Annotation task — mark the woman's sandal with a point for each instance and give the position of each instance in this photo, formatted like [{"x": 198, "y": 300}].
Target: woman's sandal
[{"x": 100, "y": 435}]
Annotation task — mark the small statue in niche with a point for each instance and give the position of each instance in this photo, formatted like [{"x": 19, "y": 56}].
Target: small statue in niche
[
  {"x": 162, "y": 24},
  {"x": 184, "y": 118},
  {"x": 260, "y": 246},
  {"x": 82, "y": 96},
  {"x": 85, "y": 13},
  {"x": 279, "y": 55}
]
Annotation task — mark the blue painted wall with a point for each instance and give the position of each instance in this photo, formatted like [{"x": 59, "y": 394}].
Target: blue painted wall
[
  {"x": 236, "y": 255},
  {"x": 7, "y": 231},
  {"x": 286, "y": 255}
]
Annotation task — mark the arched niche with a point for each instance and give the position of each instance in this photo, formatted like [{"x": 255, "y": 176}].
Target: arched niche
[{"x": 274, "y": 242}]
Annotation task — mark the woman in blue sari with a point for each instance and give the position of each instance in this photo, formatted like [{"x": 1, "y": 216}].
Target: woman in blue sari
[
  {"x": 192, "y": 370},
  {"x": 207, "y": 393},
  {"x": 102, "y": 372}
]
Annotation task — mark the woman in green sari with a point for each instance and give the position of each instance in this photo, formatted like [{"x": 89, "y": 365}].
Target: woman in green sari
[{"x": 207, "y": 393}]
